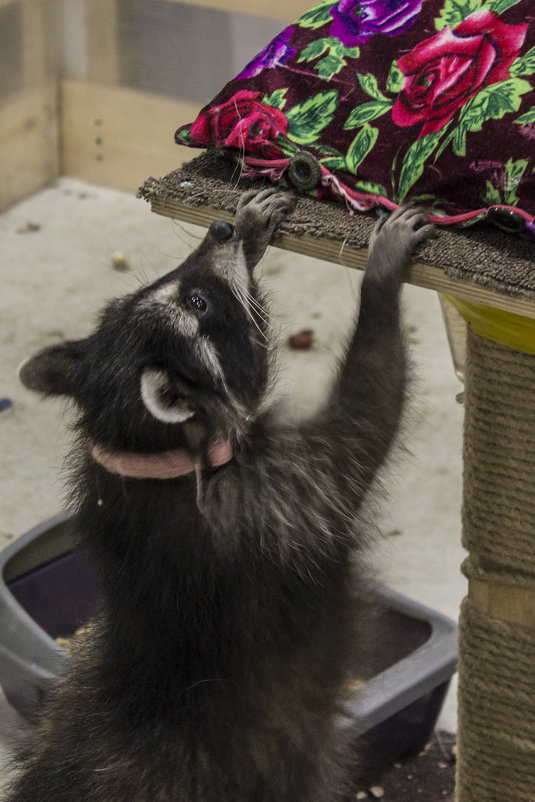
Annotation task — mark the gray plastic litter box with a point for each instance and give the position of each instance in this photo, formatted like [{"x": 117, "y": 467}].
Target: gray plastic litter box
[{"x": 48, "y": 590}]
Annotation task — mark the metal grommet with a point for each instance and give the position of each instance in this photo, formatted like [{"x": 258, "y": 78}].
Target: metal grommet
[
  {"x": 506, "y": 219},
  {"x": 304, "y": 171}
]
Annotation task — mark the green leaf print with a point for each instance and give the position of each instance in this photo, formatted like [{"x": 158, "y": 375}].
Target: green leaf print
[
  {"x": 528, "y": 117},
  {"x": 308, "y": 118},
  {"x": 370, "y": 187},
  {"x": 334, "y": 61},
  {"x": 277, "y": 99},
  {"x": 369, "y": 85},
  {"x": 524, "y": 65},
  {"x": 185, "y": 136},
  {"x": 287, "y": 148},
  {"x": 414, "y": 161},
  {"x": 395, "y": 79},
  {"x": 428, "y": 199},
  {"x": 314, "y": 49},
  {"x": 455, "y": 11},
  {"x": 334, "y": 162},
  {"x": 366, "y": 112},
  {"x": 513, "y": 175},
  {"x": 316, "y": 17},
  {"x": 492, "y": 196},
  {"x": 499, "y": 6},
  {"x": 329, "y": 66},
  {"x": 328, "y": 150},
  {"x": 360, "y": 147},
  {"x": 349, "y": 52},
  {"x": 445, "y": 142},
  {"x": 492, "y": 103}
]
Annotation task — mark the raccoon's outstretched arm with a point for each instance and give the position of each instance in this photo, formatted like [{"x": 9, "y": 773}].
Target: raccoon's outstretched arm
[{"x": 368, "y": 398}]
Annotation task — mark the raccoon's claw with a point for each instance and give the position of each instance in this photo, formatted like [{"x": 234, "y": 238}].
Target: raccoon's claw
[
  {"x": 263, "y": 209},
  {"x": 394, "y": 238},
  {"x": 257, "y": 216},
  {"x": 407, "y": 223}
]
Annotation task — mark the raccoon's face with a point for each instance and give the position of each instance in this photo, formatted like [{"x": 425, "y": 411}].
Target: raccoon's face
[{"x": 189, "y": 348}]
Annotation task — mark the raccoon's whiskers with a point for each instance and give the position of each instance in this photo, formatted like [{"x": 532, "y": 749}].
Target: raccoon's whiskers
[
  {"x": 237, "y": 169},
  {"x": 263, "y": 313},
  {"x": 178, "y": 226},
  {"x": 243, "y": 301},
  {"x": 248, "y": 300},
  {"x": 202, "y": 682}
]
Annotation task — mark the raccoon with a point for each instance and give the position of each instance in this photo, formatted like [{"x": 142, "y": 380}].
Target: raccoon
[{"x": 226, "y": 541}]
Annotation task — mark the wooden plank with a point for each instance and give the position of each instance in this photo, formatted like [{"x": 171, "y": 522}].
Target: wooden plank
[
  {"x": 334, "y": 251},
  {"x": 28, "y": 143},
  {"x": 272, "y": 9},
  {"x": 117, "y": 136}
]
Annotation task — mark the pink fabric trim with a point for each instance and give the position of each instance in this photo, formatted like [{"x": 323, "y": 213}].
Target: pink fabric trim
[
  {"x": 266, "y": 162},
  {"x": 162, "y": 465},
  {"x": 364, "y": 201}
]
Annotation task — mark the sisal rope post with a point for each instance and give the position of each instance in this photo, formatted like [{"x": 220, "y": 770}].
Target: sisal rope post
[{"x": 496, "y": 739}]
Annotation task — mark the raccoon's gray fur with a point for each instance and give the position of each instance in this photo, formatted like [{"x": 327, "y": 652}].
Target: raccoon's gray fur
[{"x": 216, "y": 669}]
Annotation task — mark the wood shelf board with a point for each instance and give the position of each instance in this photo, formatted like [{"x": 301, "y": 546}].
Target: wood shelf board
[{"x": 421, "y": 275}]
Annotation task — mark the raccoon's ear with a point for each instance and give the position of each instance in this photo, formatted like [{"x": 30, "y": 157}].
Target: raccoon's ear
[
  {"x": 53, "y": 370},
  {"x": 163, "y": 398}
]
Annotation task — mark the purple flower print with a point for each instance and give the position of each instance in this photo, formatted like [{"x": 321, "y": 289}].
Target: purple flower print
[
  {"x": 356, "y": 21},
  {"x": 277, "y": 52}
]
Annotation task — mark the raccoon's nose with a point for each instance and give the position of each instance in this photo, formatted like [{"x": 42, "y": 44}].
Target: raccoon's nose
[{"x": 222, "y": 231}]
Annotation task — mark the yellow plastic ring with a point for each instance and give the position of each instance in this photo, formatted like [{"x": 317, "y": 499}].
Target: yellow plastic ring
[{"x": 515, "y": 331}]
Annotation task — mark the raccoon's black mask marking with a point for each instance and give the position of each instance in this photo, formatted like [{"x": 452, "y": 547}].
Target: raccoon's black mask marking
[{"x": 191, "y": 346}]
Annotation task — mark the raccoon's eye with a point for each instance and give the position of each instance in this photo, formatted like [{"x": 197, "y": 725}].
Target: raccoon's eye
[{"x": 196, "y": 302}]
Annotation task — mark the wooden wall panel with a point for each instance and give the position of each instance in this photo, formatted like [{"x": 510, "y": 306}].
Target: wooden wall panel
[
  {"x": 288, "y": 10},
  {"x": 28, "y": 143},
  {"x": 119, "y": 137},
  {"x": 28, "y": 114}
]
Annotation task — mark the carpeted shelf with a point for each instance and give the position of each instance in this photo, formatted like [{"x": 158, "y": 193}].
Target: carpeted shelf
[{"x": 481, "y": 256}]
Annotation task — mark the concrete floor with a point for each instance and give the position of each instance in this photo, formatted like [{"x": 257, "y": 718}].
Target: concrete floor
[{"x": 56, "y": 268}]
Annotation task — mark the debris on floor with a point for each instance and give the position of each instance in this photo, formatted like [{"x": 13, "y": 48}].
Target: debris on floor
[
  {"x": 120, "y": 261},
  {"x": 29, "y": 228},
  {"x": 429, "y": 776}
]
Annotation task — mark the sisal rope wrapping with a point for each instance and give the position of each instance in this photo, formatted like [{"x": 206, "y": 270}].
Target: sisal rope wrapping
[
  {"x": 497, "y": 626},
  {"x": 496, "y": 741},
  {"x": 499, "y": 456}
]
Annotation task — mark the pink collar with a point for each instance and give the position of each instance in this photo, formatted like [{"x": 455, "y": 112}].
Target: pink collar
[{"x": 162, "y": 465}]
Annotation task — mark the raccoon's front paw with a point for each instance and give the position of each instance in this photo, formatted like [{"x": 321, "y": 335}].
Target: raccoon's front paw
[
  {"x": 393, "y": 240},
  {"x": 262, "y": 210},
  {"x": 257, "y": 216}
]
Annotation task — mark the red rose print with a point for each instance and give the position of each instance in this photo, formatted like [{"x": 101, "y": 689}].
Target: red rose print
[
  {"x": 243, "y": 123},
  {"x": 442, "y": 73}
]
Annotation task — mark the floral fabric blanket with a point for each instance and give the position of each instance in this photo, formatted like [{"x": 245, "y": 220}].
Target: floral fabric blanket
[{"x": 381, "y": 102}]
